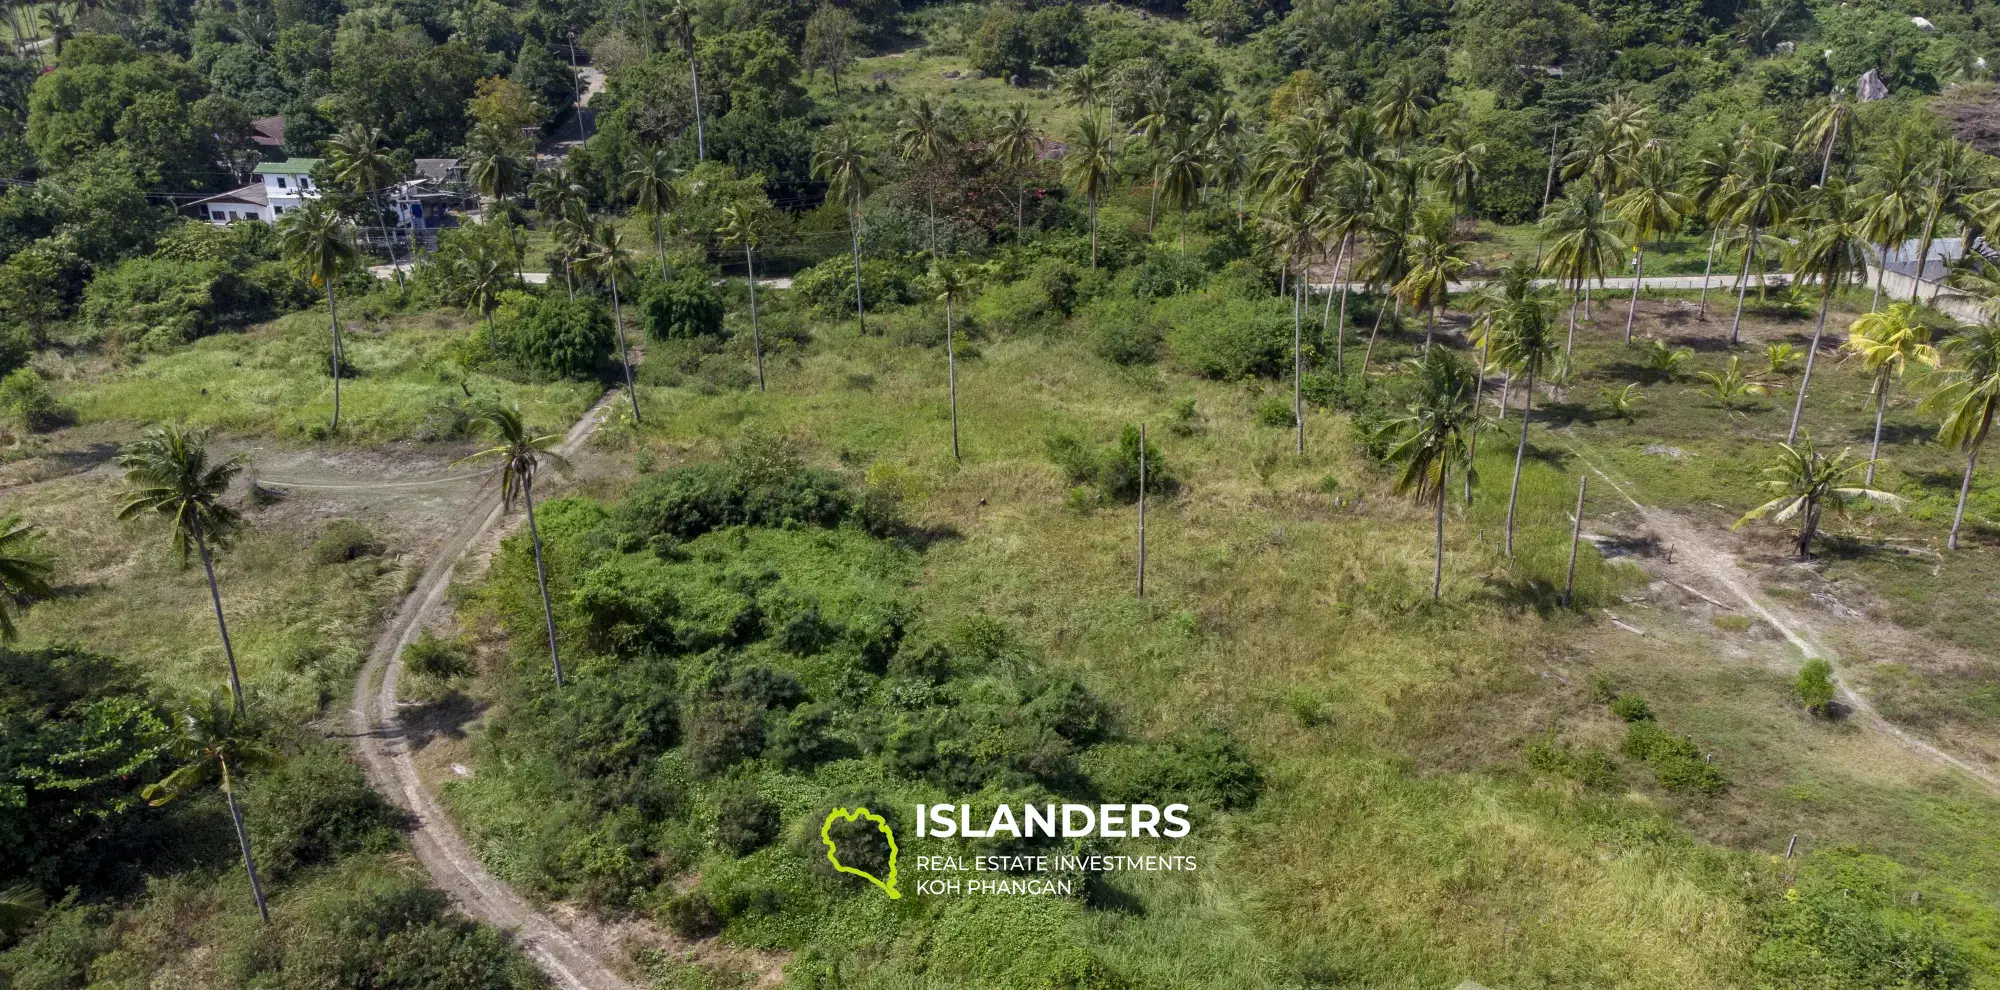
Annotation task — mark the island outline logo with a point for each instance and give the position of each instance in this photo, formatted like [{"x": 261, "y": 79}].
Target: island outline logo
[{"x": 833, "y": 853}]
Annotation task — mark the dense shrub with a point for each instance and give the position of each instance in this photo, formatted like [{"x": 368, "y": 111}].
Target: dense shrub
[
  {"x": 1114, "y": 470},
  {"x": 1275, "y": 410},
  {"x": 1631, "y": 708},
  {"x": 1589, "y": 766},
  {"x": 313, "y": 809},
  {"x": 680, "y": 309},
  {"x": 829, "y": 286},
  {"x": 1208, "y": 769},
  {"x": 745, "y": 821},
  {"x": 437, "y": 658},
  {"x": 1676, "y": 761},
  {"x": 1168, "y": 272},
  {"x": 688, "y": 502},
  {"x": 1227, "y": 337},
  {"x": 1122, "y": 330},
  {"x": 25, "y": 399},
  {"x": 568, "y": 338},
  {"x": 344, "y": 540},
  {"x": 1814, "y": 686},
  {"x": 162, "y": 302},
  {"x": 1846, "y": 922}
]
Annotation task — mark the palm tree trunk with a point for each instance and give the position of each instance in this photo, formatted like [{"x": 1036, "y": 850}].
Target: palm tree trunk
[
  {"x": 1369, "y": 351},
  {"x": 1430, "y": 324},
  {"x": 541, "y": 574},
  {"x": 1437, "y": 565},
  {"x": 1093, "y": 231},
  {"x": 333, "y": 312},
  {"x": 624, "y": 354},
  {"x": 1965, "y": 486},
  {"x": 1743, "y": 285},
  {"x": 1799, "y": 404},
  {"x": 1701, "y": 312},
  {"x": 933, "y": 208},
  {"x": 1472, "y": 438},
  {"x": 1924, "y": 245},
  {"x": 1520, "y": 452},
  {"x": 1576, "y": 295},
  {"x": 854, "y": 234},
  {"x": 1298, "y": 362},
  {"x": 700, "y": 138},
  {"x": 756, "y": 341},
  {"x": 221, "y": 625},
  {"x": 1881, "y": 406},
  {"x": 660, "y": 245},
  {"x": 1808, "y": 525},
  {"x": 1154, "y": 207},
  {"x": 1340, "y": 328},
  {"x": 951, "y": 374},
  {"x": 1881, "y": 269},
  {"x": 1632, "y": 308},
  {"x": 243, "y": 842}
]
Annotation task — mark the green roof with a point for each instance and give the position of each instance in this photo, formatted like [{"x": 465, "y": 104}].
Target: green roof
[{"x": 290, "y": 166}]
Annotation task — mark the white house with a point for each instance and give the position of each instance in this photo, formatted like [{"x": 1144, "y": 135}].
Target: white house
[{"x": 279, "y": 189}]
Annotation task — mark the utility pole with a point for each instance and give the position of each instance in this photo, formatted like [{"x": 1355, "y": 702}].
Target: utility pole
[
  {"x": 576, "y": 86},
  {"x": 1575, "y": 537},
  {"x": 1142, "y": 511},
  {"x": 1548, "y": 189}
]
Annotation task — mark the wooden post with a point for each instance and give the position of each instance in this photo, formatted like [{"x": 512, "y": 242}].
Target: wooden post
[
  {"x": 1789, "y": 846},
  {"x": 1575, "y": 537},
  {"x": 1142, "y": 510}
]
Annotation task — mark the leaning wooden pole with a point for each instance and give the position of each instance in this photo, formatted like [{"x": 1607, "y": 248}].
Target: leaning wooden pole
[
  {"x": 1142, "y": 510},
  {"x": 1575, "y": 537}
]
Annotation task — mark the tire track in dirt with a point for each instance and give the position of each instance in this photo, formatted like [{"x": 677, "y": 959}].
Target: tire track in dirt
[
  {"x": 575, "y": 961},
  {"x": 1719, "y": 567}
]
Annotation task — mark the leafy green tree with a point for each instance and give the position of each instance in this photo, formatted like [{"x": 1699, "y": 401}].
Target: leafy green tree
[
  {"x": 1803, "y": 482},
  {"x": 108, "y": 96},
  {"x": 679, "y": 22},
  {"x": 1814, "y": 686},
  {"x": 518, "y": 457},
  {"x": 1887, "y": 342},
  {"x": 25, "y": 570},
  {"x": 1522, "y": 341},
  {"x": 1833, "y": 250},
  {"x": 209, "y": 737},
  {"x": 843, "y": 166},
  {"x": 168, "y": 472},
  {"x": 829, "y": 42},
  {"x": 1433, "y": 435},
  {"x": 1088, "y": 167},
  {"x": 317, "y": 242},
  {"x": 494, "y": 165},
  {"x": 1758, "y": 198},
  {"x": 1894, "y": 180},
  {"x": 607, "y": 258},
  {"x": 1966, "y": 396},
  {"x": 649, "y": 184},
  {"x": 552, "y": 83},
  {"x": 1017, "y": 145},
  {"x": 1435, "y": 262},
  {"x": 1402, "y": 106},
  {"x": 1955, "y": 171}
]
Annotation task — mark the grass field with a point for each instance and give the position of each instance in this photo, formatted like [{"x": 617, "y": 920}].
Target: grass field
[{"x": 1403, "y": 841}]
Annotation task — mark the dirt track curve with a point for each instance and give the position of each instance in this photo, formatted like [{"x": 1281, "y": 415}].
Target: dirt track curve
[{"x": 574, "y": 961}]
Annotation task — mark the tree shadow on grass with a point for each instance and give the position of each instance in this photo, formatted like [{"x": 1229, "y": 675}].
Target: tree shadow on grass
[
  {"x": 1569, "y": 413},
  {"x": 1525, "y": 594},
  {"x": 1895, "y": 434}
]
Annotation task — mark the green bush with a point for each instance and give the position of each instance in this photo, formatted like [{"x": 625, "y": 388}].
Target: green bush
[
  {"x": 548, "y": 333},
  {"x": 1208, "y": 769},
  {"x": 680, "y": 309},
  {"x": 314, "y": 809},
  {"x": 437, "y": 658},
  {"x": 829, "y": 286},
  {"x": 1847, "y": 922},
  {"x": 745, "y": 821},
  {"x": 1115, "y": 469},
  {"x": 26, "y": 399},
  {"x": 1226, "y": 337},
  {"x": 1814, "y": 686},
  {"x": 161, "y": 302},
  {"x": 344, "y": 540},
  {"x": 1275, "y": 410},
  {"x": 1589, "y": 766},
  {"x": 1676, "y": 761},
  {"x": 1631, "y": 708},
  {"x": 1122, "y": 330}
]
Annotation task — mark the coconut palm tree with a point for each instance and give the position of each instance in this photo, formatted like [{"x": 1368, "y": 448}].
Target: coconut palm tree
[
  {"x": 1966, "y": 395},
  {"x": 517, "y": 457},
  {"x": 606, "y": 257},
  {"x": 215, "y": 743},
  {"x": 649, "y": 184},
  {"x": 923, "y": 140},
  {"x": 1300, "y": 158},
  {"x": 1834, "y": 251},
  {"x": 1759, "y": 198},
  {"x": 952, "y": 285},
  {"x": 558, "y": 196},
  {"x": 1522, "y": 341},
  {"x": 480, "y": 274},
  {"x": 1292, "y": 236},
  {"x": 1888, "y": 341},
  {"x": 168, "y": 473},
  {"x": 1894, "y": 179},
  {"x": 1081, "y": 87},
  {"x": 361, "y": 162},
  {"x": 1089, "y": 168},
  {"x": 1456, "y": 167},
  {"x": 1017, "y": 146},
  {"x": 1651, "y": 207},
  {"x": 1340, "y": 219},
  {"x": 1705, "y": 186},
  {"x": 1825, "y": 130},
  {"x": 20, "y": 905},
  {"x": 1435, "y": 262},
  {"x": 1400, "y": 109},
  {"x": 1581, "y": 244},
  {"x": 494, "y": 164},
  {"x": 1803, "y": 481},
  {"x": 25, "y": 570},
  {"x": 679, "y": 22},
  {"x": 1181, "y": 174},
  {"x": 1955, "y": 172},
  {"x": 743, "y": 224},
  {"x": 1161, "y": 114},
  {"x": 1433, "y": 438},
  {"x": 1491, "y": 304},
  {"x": 318, "y": 242},
  {"x": 840, "y": 163}
]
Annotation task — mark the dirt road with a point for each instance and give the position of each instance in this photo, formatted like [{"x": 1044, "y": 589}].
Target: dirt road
[{"x": 575, "y": 961}]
